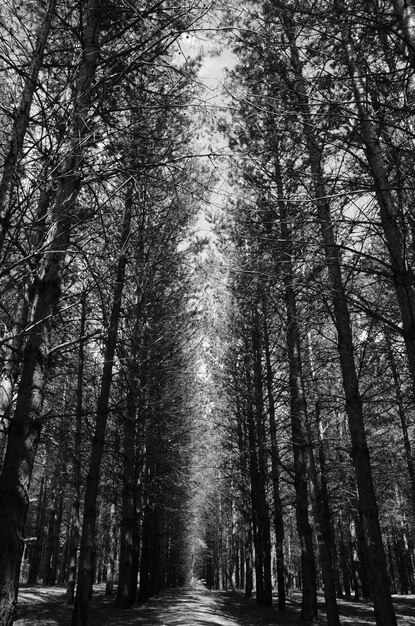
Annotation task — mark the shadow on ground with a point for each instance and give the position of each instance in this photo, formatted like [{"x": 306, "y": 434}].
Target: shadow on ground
[{"x": 39, "y": 606}]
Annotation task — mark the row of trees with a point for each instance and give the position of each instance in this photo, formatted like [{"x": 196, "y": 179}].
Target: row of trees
[
  {"x": 98, "y": 196},
  {"x": 319, "y": 378}
]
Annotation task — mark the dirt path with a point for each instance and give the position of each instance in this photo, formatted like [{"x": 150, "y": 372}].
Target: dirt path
[
  {"x": 40, "y": 606},
  {"x": 183, "y": 607}
]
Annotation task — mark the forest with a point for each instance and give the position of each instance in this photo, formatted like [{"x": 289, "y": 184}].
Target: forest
[{"x": 207, "y": 311}]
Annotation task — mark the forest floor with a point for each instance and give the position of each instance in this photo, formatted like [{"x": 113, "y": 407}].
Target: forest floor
[{"x": 46, "y": 606}]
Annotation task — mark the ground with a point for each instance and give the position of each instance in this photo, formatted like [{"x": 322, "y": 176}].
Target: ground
[{"x": 40, "y": 606}]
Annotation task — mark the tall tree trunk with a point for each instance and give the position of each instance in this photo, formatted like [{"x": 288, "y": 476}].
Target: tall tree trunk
[
  {"x": 384, "y": 611},
  {"x": 110, "y": 551},
  {"x": 51, "y": 537},
  {"x": 327, "y": 537},
  {"x": 247, "y": 518},
  {"x": 56, "y": 504},
  {"x": 345, "y": 566},
  {"x": 264, "y": 541},
  {"x": 36, "y": 552},
  {"x": 249, "y": 580},
  {"x": 87, "y": 552},
  {"x": 25, "y": 427},
  {"x": 257, "y": 481},
  {"x": 21, "y": 121},
  {"x": 75, "y": 528},
  {"x": 125, "y": 595},
  {"x": 275, "y": 468},
  {"x": 144, "y": 592},
  {"x": 62, "y": 577},
  {"x": 297, "y": 406},
  {"x": 56, "y": 536}
]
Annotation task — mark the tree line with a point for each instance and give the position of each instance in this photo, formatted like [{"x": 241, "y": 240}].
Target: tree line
[
  {"x": 98, "y": 195},
  {"x": 319, "y": 385}
]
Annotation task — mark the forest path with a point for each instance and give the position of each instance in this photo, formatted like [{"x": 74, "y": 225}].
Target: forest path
[
  {"x": 189, "y": 607},
  {"x": 200, "y": 607},
  {"x": 40, "y": 606}
]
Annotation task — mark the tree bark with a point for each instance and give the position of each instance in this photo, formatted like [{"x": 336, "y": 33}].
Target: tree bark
[
  {"x": 327, "y": 537},
  {"x": 264, "y": 592},
  {"x": 144, "y": 592},
  {"x": 256, "y": 474},
  {"x": 246, "y": 567},
  {"x": 35, "y": 555},
  {"x": 75, "y": 528},
  {"x": 125, "y": 592},
  {"x": 86, "y": 556},
  {"x": 275, "y": 469},
  {"x": 110, "y": 551},
  {"x": 345, "y": 566},
  {"x": 308, "y": 568}
]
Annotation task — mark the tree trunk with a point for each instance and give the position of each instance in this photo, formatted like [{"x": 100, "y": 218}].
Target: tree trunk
[
  {"x": 36, "y": 552},
  {"x": 344, "y": 562},
  {"x": 308, "y": 569},
  {"x": 62, "y": 578},
  {"x": 110, "y": 551},
  {"x": 48, "y": 579},
  {"x": 264, "y": 592},
  {"x": 75, "y": 528},
  {"x": 327, "y": 526},
  {"x": 275, "y": 468},
  {"x": 249, "y": 581},
  {"x": 246, "y": 567},
  {"x": 125, "y": 597},
  {"x": 392, "y": 568},
  {"x": 86, "y": 556},
  {"x": 56, "y": 508},
  {"x": 144, "y": 592},
  {"x": 357, "y": 579},
  {"x": 56, "y": 536}
]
